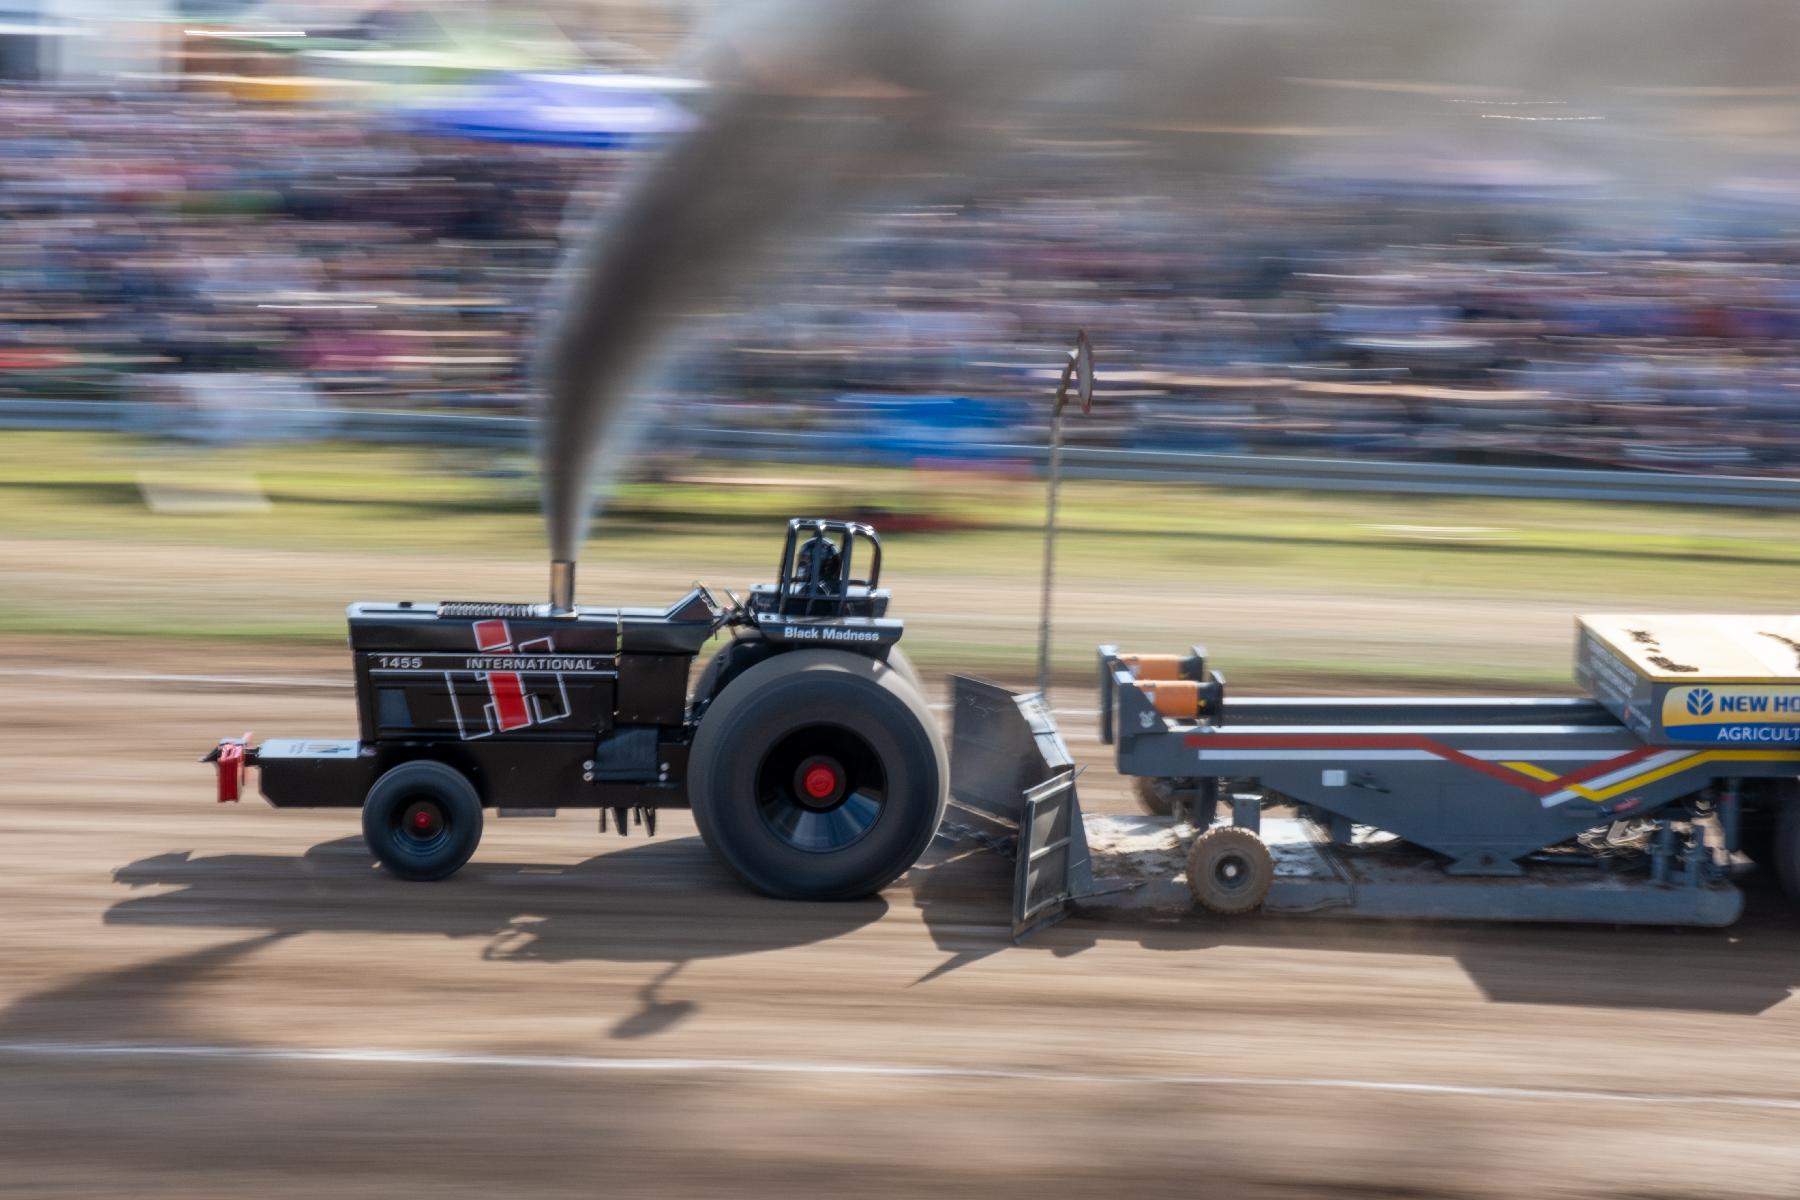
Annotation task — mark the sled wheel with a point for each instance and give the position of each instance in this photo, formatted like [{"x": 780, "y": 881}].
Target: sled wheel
[
  {"x": 1154, "y": 796},
  {"x": 1786, "y": 849},
  {"x": 1229, "y": 870}
]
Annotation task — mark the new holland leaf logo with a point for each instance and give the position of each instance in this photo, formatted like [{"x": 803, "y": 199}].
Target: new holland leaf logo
[{"x": 1699, "y": 702}]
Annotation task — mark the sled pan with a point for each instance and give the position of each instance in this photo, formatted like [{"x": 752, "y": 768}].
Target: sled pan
[{"x": 1011, "y": 773}]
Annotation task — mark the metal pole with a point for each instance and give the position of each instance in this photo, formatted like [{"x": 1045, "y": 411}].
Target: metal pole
[{"x": 1055, "y": 481}]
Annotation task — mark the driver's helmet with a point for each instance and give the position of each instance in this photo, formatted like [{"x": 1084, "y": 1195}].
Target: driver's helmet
[{"x": 820, "y": 567}]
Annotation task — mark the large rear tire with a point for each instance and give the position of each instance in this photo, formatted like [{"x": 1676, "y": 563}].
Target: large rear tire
[
  {"x": 818, "y": 775},
  {"x": 903, "y": 666},
  {"x": 422, "y": 820}
]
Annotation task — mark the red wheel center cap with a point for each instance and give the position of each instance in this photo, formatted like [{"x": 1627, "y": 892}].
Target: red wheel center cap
[
  {"x": 422, "y": 820},
  {"x": 820, "y": 782}
]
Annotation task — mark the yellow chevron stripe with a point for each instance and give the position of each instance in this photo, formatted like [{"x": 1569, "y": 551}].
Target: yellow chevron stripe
[
  {"x": 1532, "y": 769},
  {"x": 1680, "y": 765}
]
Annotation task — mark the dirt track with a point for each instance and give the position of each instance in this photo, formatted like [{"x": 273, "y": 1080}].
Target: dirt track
[
  {"x": 644, "y": 1027},
  {"x": 972, "y": 616}
]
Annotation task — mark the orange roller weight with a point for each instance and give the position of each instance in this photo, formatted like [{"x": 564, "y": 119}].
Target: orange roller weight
[
  {"x": 1178, "y": 698},
  {"x": 1153, "y": 666}
]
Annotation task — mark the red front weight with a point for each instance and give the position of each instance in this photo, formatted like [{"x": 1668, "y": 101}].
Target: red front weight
[{"x": 231, "y": 770}]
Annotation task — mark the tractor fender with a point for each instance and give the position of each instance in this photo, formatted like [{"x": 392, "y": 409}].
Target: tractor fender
[{"x": 747, "y": 650}]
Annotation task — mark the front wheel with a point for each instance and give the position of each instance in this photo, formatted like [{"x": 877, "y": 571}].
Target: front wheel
[
  {"x": 422, "y": 820},
  {"x": 818, "y": 775}
]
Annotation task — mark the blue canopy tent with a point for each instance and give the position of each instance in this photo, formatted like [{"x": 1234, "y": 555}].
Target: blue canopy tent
[{"x": 606, "y": 112}]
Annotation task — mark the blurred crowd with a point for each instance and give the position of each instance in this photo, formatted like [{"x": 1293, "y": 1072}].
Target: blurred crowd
[
  {"x": 178, "y": 236},
  {"x": 159, "y": 246},
  {"x": 1505, "y": 324}
]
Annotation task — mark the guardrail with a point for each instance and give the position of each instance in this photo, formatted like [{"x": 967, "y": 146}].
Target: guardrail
[
  {"x": 346, "y": 424},
  {"x": 1225, "y": 470}
]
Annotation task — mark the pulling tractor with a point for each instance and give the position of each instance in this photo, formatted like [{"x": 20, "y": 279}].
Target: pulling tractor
[{"x": 805, "y": 747}]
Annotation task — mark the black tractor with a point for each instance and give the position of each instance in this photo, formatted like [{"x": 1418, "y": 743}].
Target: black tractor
[{"x": 805, "y": 747}]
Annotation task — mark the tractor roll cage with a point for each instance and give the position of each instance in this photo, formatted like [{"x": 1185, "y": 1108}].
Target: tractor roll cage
[{"x": 802, "y": 587}]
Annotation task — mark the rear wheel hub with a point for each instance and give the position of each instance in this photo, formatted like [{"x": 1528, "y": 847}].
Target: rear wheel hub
[
  {"x": 821, "y": 788},
  {"x": 819, "y": 782}
]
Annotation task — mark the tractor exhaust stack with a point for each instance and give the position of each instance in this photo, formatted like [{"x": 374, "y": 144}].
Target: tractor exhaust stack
[{"x": 562, "y": 587}]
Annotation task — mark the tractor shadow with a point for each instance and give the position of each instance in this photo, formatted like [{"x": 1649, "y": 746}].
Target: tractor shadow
[
  {"x": 964, "y": 894},
  {"x": 662, "y": 901},
  {"x": 140, "y": 1003}
]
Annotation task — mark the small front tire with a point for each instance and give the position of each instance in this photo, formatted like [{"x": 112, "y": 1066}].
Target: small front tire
[{"x": 422, "y": 820}]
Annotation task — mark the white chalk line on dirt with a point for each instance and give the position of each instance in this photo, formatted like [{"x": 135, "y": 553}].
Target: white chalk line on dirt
[
  {"x": 278, "y": 681},
  {"x": 747, "y": 1066}
]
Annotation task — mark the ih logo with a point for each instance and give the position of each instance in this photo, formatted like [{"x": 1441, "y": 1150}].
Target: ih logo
[
  {"x": 514, "y": 700},
  {"x": 1699, "y": 702}
]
